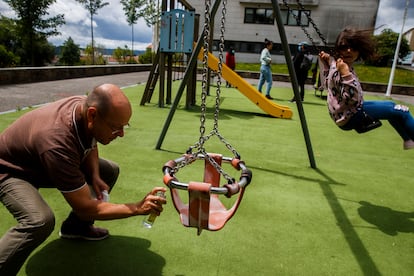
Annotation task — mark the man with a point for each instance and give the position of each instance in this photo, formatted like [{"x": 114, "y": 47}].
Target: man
[
  {"x": 302, "y": 62},
  {"x": 55, "y": 146}
]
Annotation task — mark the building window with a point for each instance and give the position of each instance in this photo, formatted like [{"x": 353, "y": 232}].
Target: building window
[
  {"x": 258, "y": 16},
  {"x": 265, "y": 16},
  {"x": 291, "y": 17}
]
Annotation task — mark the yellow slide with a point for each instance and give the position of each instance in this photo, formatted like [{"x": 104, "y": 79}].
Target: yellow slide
[{"x": 268, "y": 106}]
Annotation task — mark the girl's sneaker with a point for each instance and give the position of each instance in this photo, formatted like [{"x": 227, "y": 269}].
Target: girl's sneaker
[{"x": 409, "y": 144}]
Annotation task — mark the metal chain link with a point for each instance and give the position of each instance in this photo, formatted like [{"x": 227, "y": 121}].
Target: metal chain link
[
  {"x": 206, "y": 33},
  {"x": 203, "y": 138},
  {"x": 315, "y": 27},
  {"x": 302, "y": 8}
]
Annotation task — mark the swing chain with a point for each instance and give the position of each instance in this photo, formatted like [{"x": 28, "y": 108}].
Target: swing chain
[
  {"x": 220, "y": 65},
  {"x": 315, "y": 27},
  {"x": 303, "y": 26},
  {"x": 218, "y": 91},
  {"x": 203, "y": 138},
  {"x": 206, "y": 33}
]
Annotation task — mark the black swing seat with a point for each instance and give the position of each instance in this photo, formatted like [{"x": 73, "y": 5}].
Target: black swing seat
[
  {"x": 362, "y": 123},
  {"x": 367, "y": 123}
]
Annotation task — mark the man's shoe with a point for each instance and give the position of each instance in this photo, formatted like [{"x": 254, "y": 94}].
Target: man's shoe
[
  {"x": 84, "y": 232},
  {"x": 409, "y": 144},
  {"x": 269, "y": 97},
  {"x": 292, "y": 100}
]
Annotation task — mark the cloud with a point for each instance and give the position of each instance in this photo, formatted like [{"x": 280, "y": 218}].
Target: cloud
[
  {"x": 109, "y": 25},
  {"x": 391, "y": 13},
  {"x": 111, "y": 29}
]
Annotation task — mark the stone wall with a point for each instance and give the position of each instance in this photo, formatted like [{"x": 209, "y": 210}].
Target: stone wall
[{"x": 38, "y": 74}]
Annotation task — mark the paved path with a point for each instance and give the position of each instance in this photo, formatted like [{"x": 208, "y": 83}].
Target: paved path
[{"x": 19, "y": 96}]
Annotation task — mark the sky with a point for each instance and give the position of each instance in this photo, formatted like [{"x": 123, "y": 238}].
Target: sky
[
  {"x": 391, "y": 14},
  {"x": 111, "y": 29}
]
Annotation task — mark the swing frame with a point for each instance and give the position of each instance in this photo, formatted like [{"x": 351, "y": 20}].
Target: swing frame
[{"x": 204, "y": 209}]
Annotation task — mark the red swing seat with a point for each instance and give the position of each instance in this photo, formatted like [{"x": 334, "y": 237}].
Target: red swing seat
[{"x": 204, "y": 209}]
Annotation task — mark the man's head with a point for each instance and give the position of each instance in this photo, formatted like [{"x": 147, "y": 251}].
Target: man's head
[
  {"x": 303, "y": 46},
  {"x": 107, "y": 111}
]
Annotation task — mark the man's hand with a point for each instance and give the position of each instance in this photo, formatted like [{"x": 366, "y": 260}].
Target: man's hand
[
  {"x": 152, "y": 203},
  {"x": 98, "y": 185}
]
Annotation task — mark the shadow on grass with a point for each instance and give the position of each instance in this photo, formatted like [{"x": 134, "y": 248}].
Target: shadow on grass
[
  {"x": 355, "y": 243},
  {"x": 387, "y": 220},
  {"x": 116, "y": 255}
]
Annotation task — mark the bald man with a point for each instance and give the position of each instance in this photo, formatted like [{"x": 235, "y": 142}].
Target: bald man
[{"x": 55, "y": 146}]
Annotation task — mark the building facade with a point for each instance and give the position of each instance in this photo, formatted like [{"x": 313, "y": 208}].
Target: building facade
[{"x": 249, "y": 22}]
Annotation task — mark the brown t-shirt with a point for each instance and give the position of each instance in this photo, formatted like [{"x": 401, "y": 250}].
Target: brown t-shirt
[{"x": 44, "y": 148}]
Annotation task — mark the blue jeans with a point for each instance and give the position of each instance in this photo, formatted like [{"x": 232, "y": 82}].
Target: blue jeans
[
  {"x": 401, "y": 120},
  {"x": 35, "y": 219},
  {"x": 265, "y": 75}
]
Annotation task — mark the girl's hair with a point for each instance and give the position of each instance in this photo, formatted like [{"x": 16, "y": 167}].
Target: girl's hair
[
  {"x": 359, "y": 40},
  {"x": 268, "y": 42}
]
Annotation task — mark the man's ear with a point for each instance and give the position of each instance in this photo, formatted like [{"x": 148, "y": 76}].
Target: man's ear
[{"x": 91, "y": 113}]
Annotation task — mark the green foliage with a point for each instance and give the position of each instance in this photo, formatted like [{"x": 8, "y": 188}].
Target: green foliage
[
  {"x": 7, "y": 58},
  {"x": 151, "y": 13},
  {"x": 94, "y": 55},
  {"x": 93, "y": 6},
  {"x": 32, "y": 29},
  {"x": 121, "y": 54},
  {"x": 147, "y": 57},
  {"x": 70, "y": 53},
  {"x": 386, "y": 42},
  {"x": 132, "y": 10}
]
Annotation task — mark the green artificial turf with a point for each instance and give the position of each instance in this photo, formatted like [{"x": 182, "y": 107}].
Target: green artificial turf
[{"x": 353, "y": 215}]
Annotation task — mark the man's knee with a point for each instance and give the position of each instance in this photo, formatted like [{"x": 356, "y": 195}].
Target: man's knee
[{"x": 42, "y": 225}]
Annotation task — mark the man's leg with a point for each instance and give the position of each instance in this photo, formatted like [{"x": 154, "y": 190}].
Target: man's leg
[{"x": 35, "y": 223}]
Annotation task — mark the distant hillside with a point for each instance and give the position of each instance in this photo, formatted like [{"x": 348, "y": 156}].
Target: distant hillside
[{"x": 106, "y": 52}]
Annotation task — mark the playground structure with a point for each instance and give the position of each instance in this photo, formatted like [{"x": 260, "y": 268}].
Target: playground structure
[
  {"x": 270, "y": 107},
  {"x": 204, "y": 209},
  {"x": 176, "y": 29},
  {"x": 191, "y": 70}
]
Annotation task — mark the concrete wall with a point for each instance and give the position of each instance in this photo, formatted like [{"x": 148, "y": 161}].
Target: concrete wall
[{"x": 38, "y": 74}]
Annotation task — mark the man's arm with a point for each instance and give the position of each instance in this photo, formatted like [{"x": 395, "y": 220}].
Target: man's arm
[
  {"x": 88, "y": 208},
  {"x": 91, "y": 168}
]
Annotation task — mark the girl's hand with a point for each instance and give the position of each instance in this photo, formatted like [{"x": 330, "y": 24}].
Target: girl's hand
[
  {"x": 342, "y": 67},
  {"x": 325, "y": 57}
]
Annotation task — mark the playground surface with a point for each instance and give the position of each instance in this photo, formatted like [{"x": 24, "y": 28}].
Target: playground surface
[
  {"x": 352, "y": 215},
  {"x": 31, "y": 94}
]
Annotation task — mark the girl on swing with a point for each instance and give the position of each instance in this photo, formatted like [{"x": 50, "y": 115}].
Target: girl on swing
[{"x": 345, "y": 99}]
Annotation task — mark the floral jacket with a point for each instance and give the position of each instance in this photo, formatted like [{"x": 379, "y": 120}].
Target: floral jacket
[{"x": 345, "y": 96}]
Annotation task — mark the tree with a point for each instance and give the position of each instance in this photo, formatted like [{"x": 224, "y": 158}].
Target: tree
[
  {"x": 121, "y": 54},
  {"x": 131, "y": 8},
  {"x": 94, "y": 55},
  {"x": 92, "y": 6},
  {"x": 33, "y": 28},
  {"x": 151, "y": 12},
  {"x": 386, "y": 42},
  {"x": 7, "y": 58},
  {"x": 70, "y": 52}
]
